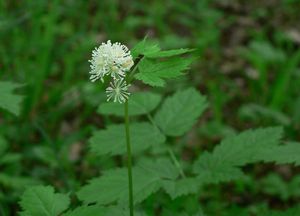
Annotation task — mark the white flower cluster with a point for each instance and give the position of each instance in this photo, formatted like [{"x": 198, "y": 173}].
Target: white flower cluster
[{"x": 113, "y": 59}]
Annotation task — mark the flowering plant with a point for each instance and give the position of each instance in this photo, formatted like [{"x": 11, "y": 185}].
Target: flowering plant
[
  {"x": 160, "y": 168},
  {"x": 115, "y": 60}
]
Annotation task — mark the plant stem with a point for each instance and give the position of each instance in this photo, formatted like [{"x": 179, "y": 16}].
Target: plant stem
[
  {"x": 170, "y": 151},
  {"x": 129, "y": 78},
  {"x": 129, "y": 163},
  {"x": 176, "y": 162}
]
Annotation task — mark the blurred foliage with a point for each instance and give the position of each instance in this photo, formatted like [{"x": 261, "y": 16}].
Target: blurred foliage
[{"x": 248, "y": 67}]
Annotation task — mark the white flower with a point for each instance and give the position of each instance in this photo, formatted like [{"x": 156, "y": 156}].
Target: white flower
[
  {"x": 110, "y": 59},
  {"x": 117, "y": 91}
]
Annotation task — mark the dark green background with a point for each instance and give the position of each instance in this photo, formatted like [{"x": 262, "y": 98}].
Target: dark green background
[{"x": 248, "y": 66}]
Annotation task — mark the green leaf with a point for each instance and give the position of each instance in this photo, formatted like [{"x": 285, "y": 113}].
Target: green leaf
[
  {"x": 8, "y": 100},
  {"x": 108, "y": 188},
  {"x": 167, "y": 53},
  {"x": 112, "y": 140},
  {"x": 154, "y": 73},
  {"x": 181, "y": 187},
  {"x": 161, "y": 166},
  {"x": 144, "y": 47},
  {"x": 95, "y": 210},
  {"x": 224, "y": 163},
  {"x": 112, "y": 186},
  {"x": 283, "y": 154},
  {"x": 150, "y": 49},
  {"x": 139, "y": 103},
  {"x": 88, "y": 211},
  {"x": 180, "y": 112},
  {"x": 218, "y": 173},
  {"x": 42, "y": 201}
]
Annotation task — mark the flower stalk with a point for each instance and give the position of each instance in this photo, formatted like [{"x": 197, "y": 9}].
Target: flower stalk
[
  {"x": 129, "y": 158},
  {"x": 115, "y": 60}
]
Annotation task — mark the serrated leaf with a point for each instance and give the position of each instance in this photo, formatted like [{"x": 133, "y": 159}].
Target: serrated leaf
[
  {"x": 236, "y": 151},
  {"x": 180, "y": 112},
  {"x": 283, "y": 154},
  {"x": 146, "y": 183},
  {"x": 42, "y": 201},
  {"x": 150, "y": 49},
  {"x": 112, "y": 140},
  {"x": 112, "y": 186},
  {"x": 181, "y": 187},
  {"x": 154, "y": 73},
  {"x": 8, "y": 100},
  {"x": 167, "y": 53},
  {"x": 139, "y": 103},
  {"x": 144, "y": 47},
  {"x": 218, "y": 174}
]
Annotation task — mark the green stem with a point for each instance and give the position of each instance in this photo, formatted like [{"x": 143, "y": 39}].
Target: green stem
[
  {"x": 129, "y": 163},
  {"x": 176, "y": 162},
  {"x": 129, "y": 78}
]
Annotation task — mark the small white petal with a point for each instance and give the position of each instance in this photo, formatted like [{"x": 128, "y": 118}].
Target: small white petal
[
  {"x": 117, "y": 91},
  {"x": 110, "y": 59}
]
